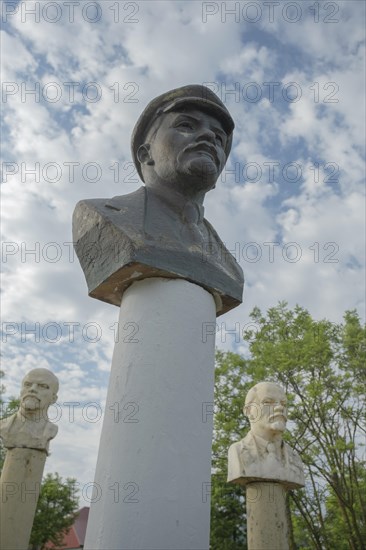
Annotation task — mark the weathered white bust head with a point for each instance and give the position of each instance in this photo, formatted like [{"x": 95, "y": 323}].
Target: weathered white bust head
[
  {"x": 266, "y": 408},
  {"x": 262, "y": 454},
  {"x": 39, "y": 391},
  {"x": 30, "y": 426}
]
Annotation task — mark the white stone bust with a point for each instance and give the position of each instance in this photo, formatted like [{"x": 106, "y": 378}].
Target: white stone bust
[
  {"x": 30, "y": 427},
  {"x": 262, "y": 455}
]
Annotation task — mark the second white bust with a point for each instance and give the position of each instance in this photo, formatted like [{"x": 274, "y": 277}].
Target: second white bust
[
  {"x": 30, "y": 426},
  {"x": 262, "y": 454}
]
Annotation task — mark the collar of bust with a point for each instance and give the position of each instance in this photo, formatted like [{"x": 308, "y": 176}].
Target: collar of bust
[
  {"x": 38, "y": 416},
  {"x": 262, "y": 443},
  {"x": 176, "y": 201}
]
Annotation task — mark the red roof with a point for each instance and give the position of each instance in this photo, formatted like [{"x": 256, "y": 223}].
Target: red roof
[{"x": 75, "y": 536}]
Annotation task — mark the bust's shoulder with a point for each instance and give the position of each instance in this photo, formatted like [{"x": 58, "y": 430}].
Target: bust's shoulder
[
  {"x": 116, "y": 202},
  {"x": 89, "y": 213},
  {"x": 240, "y": 446},
  {"x": 215, "y": 236},
  {"x": 235, "y": 447},
  {"x": 122, "y": 201},
  {"x": 50, "y": 430},
  {"x": 292, "y": 454},
  {"x": 6, "y": 423},
  {"x": 225, "y": 255},
  {"x": 248, "y": 440}
]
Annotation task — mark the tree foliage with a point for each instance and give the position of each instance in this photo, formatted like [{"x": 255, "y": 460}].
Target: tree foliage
[
  {"x": 321, "y": 367},
  {"x": 56, "y": 511}
]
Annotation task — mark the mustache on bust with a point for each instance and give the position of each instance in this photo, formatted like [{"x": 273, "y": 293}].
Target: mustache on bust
[
  {"x": 30, "y": 395},
  {"x": 205, "y": 146},
  {"x": 278, "y": 415}
]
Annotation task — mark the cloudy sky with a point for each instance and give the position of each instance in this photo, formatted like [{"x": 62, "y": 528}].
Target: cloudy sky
[{"x": 289, "y": 205}]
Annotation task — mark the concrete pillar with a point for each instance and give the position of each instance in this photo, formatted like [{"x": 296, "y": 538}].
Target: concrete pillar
[
  {"x": 154, "y": 459},
  {"x": 267, "y": 519},
  {"x": 20, "y": 485}
]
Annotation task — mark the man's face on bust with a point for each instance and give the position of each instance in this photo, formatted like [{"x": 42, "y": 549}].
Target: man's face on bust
[
  {"x": 38, "y": 391},
  {"x": 268, "y": 414},
  {"x": 188, "y": 148}
]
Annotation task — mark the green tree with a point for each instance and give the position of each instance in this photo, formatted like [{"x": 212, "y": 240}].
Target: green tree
[
  {"x": 320, "y": 365},
  {"x": 56, "y": 511},
  {"x": 227, "y": 500}
]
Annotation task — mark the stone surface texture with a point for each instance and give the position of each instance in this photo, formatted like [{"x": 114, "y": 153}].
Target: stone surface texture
[
  {"x": 114, "y": 248},
  {"x": 30, "y": 427},
  {"x": 180, "y": 145},
  {"x": 267, "y": 521}
]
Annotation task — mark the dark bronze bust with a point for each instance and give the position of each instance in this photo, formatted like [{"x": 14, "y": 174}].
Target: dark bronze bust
[{"x": 180, "y": 145}]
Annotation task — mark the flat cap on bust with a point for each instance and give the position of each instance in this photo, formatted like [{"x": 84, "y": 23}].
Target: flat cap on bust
[{"x": 195, "y": 95}]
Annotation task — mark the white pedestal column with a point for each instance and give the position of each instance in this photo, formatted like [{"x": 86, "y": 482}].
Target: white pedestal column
[
  {"x": 154, "y": 458},
  {"x": 20, "y": 486},
  {"x": 267, "y": 519}
]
